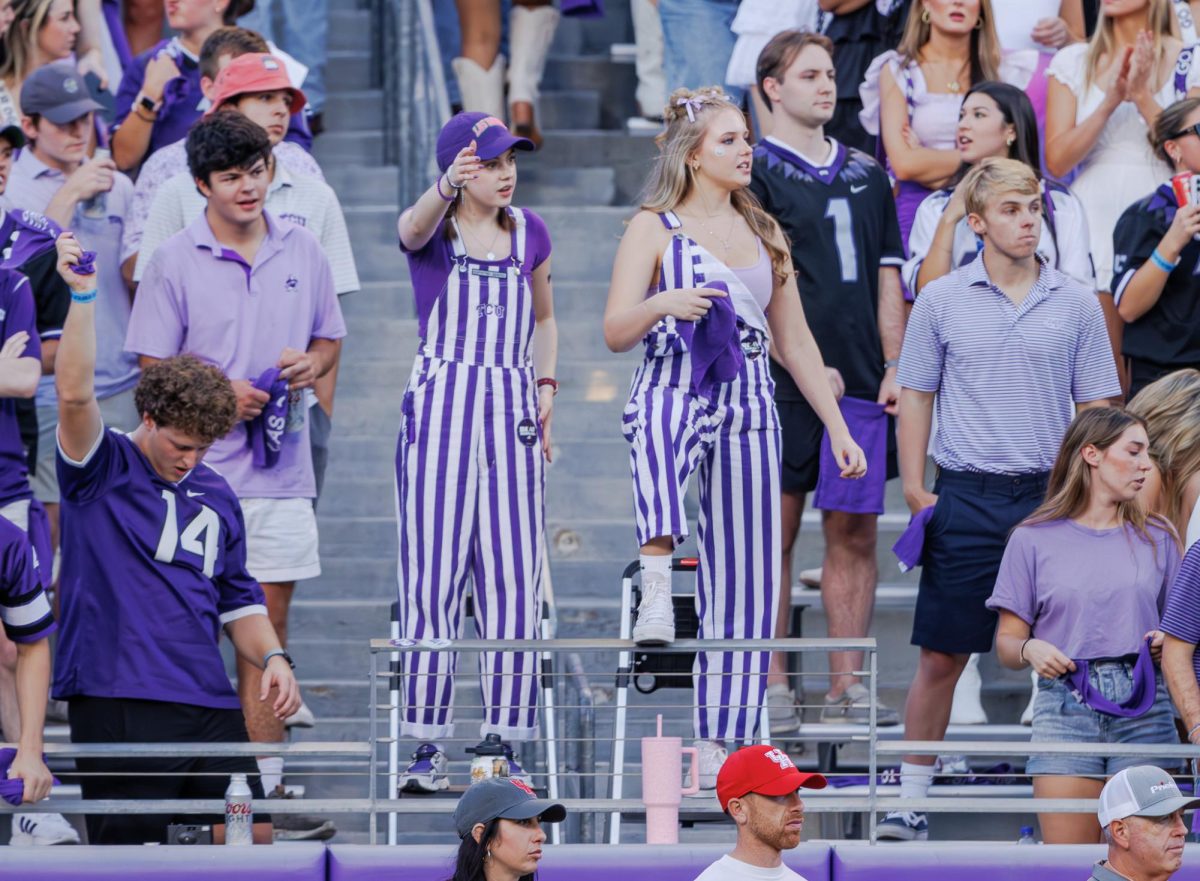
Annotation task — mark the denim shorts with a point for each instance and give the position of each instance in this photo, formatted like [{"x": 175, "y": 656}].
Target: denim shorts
[{"x": 1059, "y": 718}]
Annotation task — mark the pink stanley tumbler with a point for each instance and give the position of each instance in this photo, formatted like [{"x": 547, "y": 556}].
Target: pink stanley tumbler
[{"x": 662, "y": 789}]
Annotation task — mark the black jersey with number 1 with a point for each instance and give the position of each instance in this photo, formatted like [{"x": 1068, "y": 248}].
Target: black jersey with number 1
[{"x": 841, "y": 220}]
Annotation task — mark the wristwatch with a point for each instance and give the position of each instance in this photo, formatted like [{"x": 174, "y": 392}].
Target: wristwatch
[
  {"x": 281, "y": 653},
  {"x": 145, "y": 102}
]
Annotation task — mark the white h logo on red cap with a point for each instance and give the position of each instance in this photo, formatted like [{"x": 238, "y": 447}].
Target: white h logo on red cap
[{"x": 780, "y": 758}]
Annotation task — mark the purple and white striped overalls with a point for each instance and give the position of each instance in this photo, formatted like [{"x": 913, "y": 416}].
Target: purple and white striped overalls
[
  {"x": 732, "y": 443},
  {"x": 471, "y": 493}
]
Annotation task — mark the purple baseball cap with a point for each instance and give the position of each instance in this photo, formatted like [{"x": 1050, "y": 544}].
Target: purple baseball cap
[{"x": 490, "y": 134}]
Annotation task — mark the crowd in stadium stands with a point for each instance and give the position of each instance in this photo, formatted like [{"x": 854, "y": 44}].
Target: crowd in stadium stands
[{"x": 877, "y": 231}]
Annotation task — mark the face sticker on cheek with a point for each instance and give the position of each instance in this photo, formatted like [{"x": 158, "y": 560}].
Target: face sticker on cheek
[{"x": 718, "y": 150}]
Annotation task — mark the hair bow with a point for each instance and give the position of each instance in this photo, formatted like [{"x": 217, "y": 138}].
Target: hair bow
[{"x": 693, "y": 105}]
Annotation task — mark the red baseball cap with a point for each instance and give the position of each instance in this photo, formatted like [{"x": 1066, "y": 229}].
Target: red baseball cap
[
  {"x": 254, "y": 72},
  {"x": 762, "y": 769}
]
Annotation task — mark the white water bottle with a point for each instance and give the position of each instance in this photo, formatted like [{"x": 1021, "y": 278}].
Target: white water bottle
[
  {"x": 239, "y": 817},
  {"x": 97, "y": 206}
]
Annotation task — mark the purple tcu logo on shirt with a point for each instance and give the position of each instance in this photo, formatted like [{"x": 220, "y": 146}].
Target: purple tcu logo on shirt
[
  {"x": 291, "y": 284},
  {"x": 483, "y": 310}
]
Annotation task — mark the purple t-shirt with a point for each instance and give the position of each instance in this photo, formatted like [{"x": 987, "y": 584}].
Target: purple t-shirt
[
  {"x": 431, "y": 265},
  {"x": 1181, "y": 617},
  {"x": 200, "y": 298},
  {"x": 24, "y": 609},
  {"x": 17, "y": 313},
  {"x": 151, "y": 571},
  {"x": 1091, "y": 593},
  {"x": 183, "y": 101}
]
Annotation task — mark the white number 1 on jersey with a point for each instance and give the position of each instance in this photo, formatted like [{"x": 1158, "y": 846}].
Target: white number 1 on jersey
[
  {"x": 205, "y": 523},
  {"x": 838, "y": 210}
]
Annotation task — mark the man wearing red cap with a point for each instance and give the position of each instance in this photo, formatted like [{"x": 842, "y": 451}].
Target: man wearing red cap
[{"x": 759, "y": 787}]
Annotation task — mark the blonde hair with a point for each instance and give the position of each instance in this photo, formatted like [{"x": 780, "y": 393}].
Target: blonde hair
[
  {"x": 1160, "y": 21},
  {"x": 20, "y": 40},
  {"x": 1170, "y": 407},
  {"x": 985, "y": 44},
  {"x": 1069, "y": 490},
  {"x": 995, "y": 175},
  {"x": 687, "y": 115}
]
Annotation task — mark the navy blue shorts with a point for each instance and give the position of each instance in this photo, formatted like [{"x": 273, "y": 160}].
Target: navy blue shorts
[{"x": 964, "y": 542}]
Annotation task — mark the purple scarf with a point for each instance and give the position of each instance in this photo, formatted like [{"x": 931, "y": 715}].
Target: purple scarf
[
  {"x": 12, "y": 791},
  {"x": 264, "y": 433},
  {"x": 1140, "y": 700},
  {"x": 714, "y": 344}
]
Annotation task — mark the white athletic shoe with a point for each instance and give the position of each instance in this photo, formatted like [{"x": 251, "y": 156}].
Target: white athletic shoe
[
  {"x": 967, "y": 709},
  {"x": 709, "y": 761},
  {"x": 811, "y": 577},
  {"x": 427, "y": 772},
  {"x": 302, "y": 718},
  {"x": 1027, "y": 716},
  {"x": 29, "y": 830},
  {"x": 655, "y": 623},
  {"x": 781, "y": 709}
]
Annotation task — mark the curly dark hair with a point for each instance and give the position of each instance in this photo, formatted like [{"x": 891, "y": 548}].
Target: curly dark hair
[
  {"x": 189, "y": 395},
  {"x": 225, "y": 140}
]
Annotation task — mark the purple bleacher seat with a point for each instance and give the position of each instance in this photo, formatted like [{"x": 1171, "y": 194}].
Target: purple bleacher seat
[
  {"x": 567, "y": 862},
  {"x": 950, "y": 861},
  {"x": 290, "y": 862}
]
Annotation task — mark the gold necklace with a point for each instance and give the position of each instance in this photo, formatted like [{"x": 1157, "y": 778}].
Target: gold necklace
[
  {"x": 490, "y": 249},
  {"x": 708, "y": 228}
]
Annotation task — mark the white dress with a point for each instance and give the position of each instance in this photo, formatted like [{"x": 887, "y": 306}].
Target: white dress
[
  {"x": 1121, "y": 166},
  {"x": 756, "y": 22},
  {"x": 1015, "y": 21}
]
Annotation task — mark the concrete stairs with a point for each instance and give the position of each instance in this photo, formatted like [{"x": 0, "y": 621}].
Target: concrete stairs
[{"x": 583, "y": 183}]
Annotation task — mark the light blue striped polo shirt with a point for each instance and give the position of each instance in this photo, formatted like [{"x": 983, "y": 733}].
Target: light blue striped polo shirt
[{"x": 1006, "y": 376}]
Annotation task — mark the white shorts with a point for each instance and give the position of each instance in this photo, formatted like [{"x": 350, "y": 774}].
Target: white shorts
[{"x": 281, "y": 540}]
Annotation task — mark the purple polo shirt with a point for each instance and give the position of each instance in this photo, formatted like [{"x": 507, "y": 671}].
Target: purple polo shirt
[
  {"x": 183, "y": 101},
  {"x": 200, "y": 298},
  {"x": 32, "y": 185}
]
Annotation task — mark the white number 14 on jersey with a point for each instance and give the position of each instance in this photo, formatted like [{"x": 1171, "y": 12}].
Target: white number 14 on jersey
[{"x": 199, "y": 537}]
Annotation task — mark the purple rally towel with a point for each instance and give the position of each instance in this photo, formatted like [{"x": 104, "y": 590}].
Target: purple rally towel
[
  {"x": 868, "y": 426},
  {"x": 13, "y": 791},
  {"x": 1141, "y": 696},
  {"x": 264, "y": 433},
  {"x": 583, "y": 8},
  {"x": 911, "y": 543},
  {"x": 86, "y": 264},
  {"x": 713, "y": 343}
]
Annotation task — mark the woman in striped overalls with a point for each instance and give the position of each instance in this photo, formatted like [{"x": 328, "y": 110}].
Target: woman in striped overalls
[
  {"x": 474, "y": 429},
  {"x": 697, "y": 225}
]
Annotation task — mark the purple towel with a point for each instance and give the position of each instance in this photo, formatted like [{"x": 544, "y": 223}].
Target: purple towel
[
  {"x": 1141, "y": 697},
  {"x": 911, "y": 543},
  {"x": 868, "y": 426},
  {"x": 714, "y": 344},
  {"x": 264, "y": 433},
  {"x": 12, "y": 791},
  {"x": 583, "y": 8}
]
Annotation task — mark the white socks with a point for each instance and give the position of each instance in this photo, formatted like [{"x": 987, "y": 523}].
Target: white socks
[
  {"x": 915, "y": 780},
  {"x": 656, "y": 568},
  {"x": 271, "y": 770}
]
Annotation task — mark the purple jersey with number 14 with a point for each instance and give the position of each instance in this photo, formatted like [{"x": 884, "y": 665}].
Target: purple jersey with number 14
[{"x": 151, "y": 572}]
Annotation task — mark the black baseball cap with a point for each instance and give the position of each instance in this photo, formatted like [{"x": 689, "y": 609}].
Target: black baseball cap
[
  {"x": 58, "y": 93},
  {"x": 505, "y": 798}
]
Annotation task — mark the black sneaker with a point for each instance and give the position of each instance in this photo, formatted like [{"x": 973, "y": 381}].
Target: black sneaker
[{"x": 299, "y": 827}]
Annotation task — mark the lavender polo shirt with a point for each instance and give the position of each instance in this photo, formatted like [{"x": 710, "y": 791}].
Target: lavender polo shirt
[
  {"x": 200, "y": 298},
  {"x": 1181, "y": 617},
  {"x": 1091, "y": 593},
  {"x": 31, "y": 185},
  {"x": 1006, "y": 376}
]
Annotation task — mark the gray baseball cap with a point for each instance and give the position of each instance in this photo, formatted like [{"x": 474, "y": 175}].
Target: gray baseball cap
[
  {"x": 1141, "y": 791},
  {"x": 506, "y": 798},
  {"x": 58, "y": 93}
]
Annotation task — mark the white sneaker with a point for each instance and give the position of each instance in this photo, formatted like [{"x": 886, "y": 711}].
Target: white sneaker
[
  {"x": 655, "y": 623},
  {"x": 709, "y": 761},
  {"x": 302, "y": 718},
  {"x": 967, "y": 709},
  {"x": 29, "y": 830},
  {"x": 811, "y": 577},
  {"x": 781, "y": 709},
  {"x": 427, "y": 772},
  {"x": 1027, "y": 716}
]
